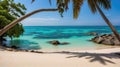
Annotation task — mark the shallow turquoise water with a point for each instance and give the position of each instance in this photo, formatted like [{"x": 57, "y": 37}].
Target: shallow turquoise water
[{"x": 37, "y": 37}]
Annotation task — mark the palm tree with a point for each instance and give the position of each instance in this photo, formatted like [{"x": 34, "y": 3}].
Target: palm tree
[
  {"x": 106, "y": 5},
  {"x": 94, "y": 6}
]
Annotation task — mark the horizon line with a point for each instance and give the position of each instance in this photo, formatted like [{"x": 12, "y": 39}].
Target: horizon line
[{"x": 72, "y": 25}]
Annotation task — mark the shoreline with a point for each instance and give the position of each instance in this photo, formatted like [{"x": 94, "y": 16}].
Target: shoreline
[{"x": 99, "y": 47}]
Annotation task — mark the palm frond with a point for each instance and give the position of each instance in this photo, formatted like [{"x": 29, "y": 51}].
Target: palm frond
[
  {"x": 106, "y": 4},
  {"x": 76, "y": 7},
  {"x": 92, "y": 6},
  {"x": 66, "y": 2}
]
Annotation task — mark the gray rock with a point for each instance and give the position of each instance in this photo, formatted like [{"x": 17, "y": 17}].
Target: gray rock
[
  {"x": 99, "y": 40},
  {"x": 108, "y": 42},
  {"x": 116, "y": 42},
  {"x": 54, "y": 42},
  {"x": 108, "y": 39},
  {"x": 94, "y": 39}
]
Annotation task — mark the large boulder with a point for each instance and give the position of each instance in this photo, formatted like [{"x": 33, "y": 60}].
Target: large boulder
[{"x": 108, "y": 39}]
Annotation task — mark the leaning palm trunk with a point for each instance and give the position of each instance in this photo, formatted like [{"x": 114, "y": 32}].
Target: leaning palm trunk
[
  {"x": 12, "y": 24},
  {"x": 108, "y": 22}
]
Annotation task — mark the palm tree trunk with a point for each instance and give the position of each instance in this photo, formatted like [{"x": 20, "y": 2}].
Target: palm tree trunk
[
  {"x": 12, "y": 24},
  {"x": 108, "y": 22}
]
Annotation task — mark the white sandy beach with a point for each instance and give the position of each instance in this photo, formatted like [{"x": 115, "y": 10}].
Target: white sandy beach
[{"x": 82, "y": 58}]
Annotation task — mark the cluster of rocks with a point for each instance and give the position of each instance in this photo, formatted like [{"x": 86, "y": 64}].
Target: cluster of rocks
[
  {"x": 56, "y": 42},
  {"x": 107, "y": 39}
]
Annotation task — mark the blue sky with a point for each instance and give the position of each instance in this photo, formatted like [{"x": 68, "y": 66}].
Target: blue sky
[{"x": 86, "y": 18}]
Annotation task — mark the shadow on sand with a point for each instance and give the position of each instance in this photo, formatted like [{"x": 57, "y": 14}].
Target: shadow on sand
[{"x": 103, "y": 58}]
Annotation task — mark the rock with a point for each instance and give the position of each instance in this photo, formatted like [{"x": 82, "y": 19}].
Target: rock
[
  {"x": 108, "y": 39},
  {"x": 56, "y": 42},
  {"x": 35, "y": 51},
  {"x": 93, "y": 33},
  {"x": 99, "y": 40},
  {"x": 95, "y": 39},
  {"x": 32, "y": 51},
  {"x": 116, "y": 42},
  {"x": 107, "y": 42}
]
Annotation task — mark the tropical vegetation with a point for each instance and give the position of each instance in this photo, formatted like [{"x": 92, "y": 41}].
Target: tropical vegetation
[{"x": 9, "y": 11}]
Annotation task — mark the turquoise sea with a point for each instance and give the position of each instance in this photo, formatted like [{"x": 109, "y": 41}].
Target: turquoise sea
[{"x": 37, "y": 37}]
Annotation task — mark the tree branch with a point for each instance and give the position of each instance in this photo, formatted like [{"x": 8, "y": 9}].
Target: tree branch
[{"x": 12, "y": 24}]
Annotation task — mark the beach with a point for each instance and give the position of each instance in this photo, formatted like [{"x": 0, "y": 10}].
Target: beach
[
  {"x": 79, "y": 51},
  {"x": 59, "y": 33},
  {"x": 77, "y": 58}
]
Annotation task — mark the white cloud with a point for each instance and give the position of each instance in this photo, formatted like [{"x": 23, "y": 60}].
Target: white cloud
[{"x": 40, "y": 21}]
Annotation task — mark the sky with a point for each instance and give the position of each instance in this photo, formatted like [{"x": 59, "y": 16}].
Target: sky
[{"x": 86, "y": 17}]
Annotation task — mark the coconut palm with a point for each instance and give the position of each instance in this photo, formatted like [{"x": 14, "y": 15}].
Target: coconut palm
[
  {"x": 106, "y": 5},
  {"x": 94, "y": 7}
]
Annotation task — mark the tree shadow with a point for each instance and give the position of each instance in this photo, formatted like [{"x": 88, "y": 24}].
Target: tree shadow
[{"x": 103, "y": 58}]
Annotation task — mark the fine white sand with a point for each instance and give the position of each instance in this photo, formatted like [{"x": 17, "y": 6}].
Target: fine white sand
[{"x": 78, "y": 58}]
